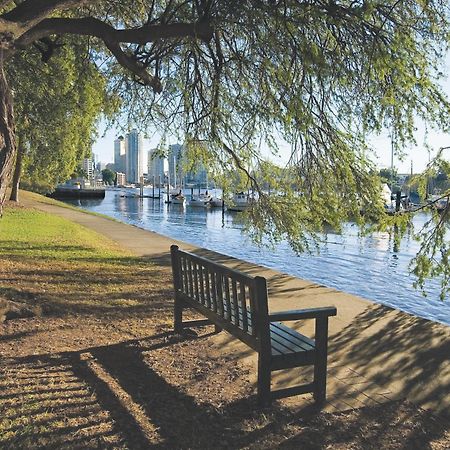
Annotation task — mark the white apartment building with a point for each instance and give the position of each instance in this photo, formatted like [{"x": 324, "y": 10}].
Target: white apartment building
[
  {"x": 121, "y": 179},
  {"x": 88, "y": 167},
  {"x": 134, "y": 150}
]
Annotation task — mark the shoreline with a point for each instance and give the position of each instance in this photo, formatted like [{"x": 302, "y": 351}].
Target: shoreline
[{"x": 367, "y": 267}]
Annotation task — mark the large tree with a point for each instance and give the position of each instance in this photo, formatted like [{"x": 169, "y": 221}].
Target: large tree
[{"x": 317, "y": 75}]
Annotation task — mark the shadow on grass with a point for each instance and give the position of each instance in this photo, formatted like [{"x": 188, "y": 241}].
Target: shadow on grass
[{"x": 78, "y": 282}]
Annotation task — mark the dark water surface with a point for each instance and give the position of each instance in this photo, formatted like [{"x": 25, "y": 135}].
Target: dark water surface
[{"x": 365, "y": 266}]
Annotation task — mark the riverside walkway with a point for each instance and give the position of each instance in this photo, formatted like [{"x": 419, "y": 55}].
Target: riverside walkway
[{"x": 376, "y": 354}]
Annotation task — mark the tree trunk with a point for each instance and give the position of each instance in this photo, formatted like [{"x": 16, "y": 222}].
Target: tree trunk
[
  {"x": 16, "y": 177},
  {"x": 7, "y": 136}
]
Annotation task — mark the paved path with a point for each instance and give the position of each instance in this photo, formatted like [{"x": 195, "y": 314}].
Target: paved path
[{"x": 376, "y": 353}]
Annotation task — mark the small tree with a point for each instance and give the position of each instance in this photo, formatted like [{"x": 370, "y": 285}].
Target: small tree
[{"x": 108, "y": 176}]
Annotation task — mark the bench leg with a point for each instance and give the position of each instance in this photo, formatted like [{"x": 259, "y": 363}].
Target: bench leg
[
  {"x": 178, "y": 316},
  {"x": 217, "y": 329},
  {"x": 320, "y": 366},
  {"x": 264, "y": 382}
]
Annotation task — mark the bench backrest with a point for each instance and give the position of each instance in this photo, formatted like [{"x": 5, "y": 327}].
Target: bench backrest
[{"x": 237, "y": 302}]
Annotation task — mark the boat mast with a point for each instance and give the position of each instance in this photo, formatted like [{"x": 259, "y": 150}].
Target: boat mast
[
  {"x": 174, "y": 171},
  {"x": 392, "y": 162}
]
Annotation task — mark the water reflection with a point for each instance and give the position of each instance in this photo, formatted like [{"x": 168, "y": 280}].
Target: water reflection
[{"x": 374, "y": 266}]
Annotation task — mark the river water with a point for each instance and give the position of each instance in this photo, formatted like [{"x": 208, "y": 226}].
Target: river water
[{"x": 366, "y": 266}]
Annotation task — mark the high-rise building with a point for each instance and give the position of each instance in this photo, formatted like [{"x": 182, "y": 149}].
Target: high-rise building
[
  {"x": 156, "y": 167},
  {"x": 134, "y": 148},
  {"x": 88, "y": 167},
  {"x": 121, "y": 180},
  {"x": 175, "y": 157},
  {"x": 119, "y": 154}
]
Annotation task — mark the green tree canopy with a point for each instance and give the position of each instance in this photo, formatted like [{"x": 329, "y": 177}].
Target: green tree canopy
[
  {"x": 243, "y": 75},
  {"x": 58, "y": 105},
  {"x": 108, "y": 176}
]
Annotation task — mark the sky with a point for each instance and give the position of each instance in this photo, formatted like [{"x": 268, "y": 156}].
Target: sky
[{"x": 418, "y": 154}]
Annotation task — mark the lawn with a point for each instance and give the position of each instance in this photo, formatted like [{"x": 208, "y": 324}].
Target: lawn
[{"x": 95, "y": 364}]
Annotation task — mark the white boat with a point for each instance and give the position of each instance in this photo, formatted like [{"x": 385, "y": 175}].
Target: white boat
[
  {"x": 439, "y": 203},
  {"x": 241, "y": 202},
  {"x": 202, "y": 200},
  {"x": 389, "y": 201},
  {"x": 178, "y": 198},
  {"x": 216, "y": 202},
  {"x": 442, "y": 204}
]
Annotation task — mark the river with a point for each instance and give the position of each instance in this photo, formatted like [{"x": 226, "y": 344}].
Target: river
[{"x": 366, "y": 266}]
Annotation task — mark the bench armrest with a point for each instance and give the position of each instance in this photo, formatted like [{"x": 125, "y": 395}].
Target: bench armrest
[{"x": 312, "y": 313}]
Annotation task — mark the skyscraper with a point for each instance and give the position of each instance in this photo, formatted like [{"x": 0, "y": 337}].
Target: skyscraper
[
  {"x": 156, "y": 166},
  {"x": 175, "y": 156},
  {"x": 119, "y": 154},
  {"x": 134, "y": 147}
]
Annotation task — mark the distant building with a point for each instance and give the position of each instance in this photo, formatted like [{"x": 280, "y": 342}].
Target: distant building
[
  {"x": 175, "y": 157},
  {"x": 121, "y": 179},
  {"x": 134, "y": 149},
  {"x": 88, "y": 167},
  {"x": 156, "y": 167},
  {"x": 119, "y": 154}
]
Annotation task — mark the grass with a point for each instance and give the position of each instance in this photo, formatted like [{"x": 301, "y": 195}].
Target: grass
[
  {"x": 90, "y": 292},
  {"x": 64, "y": 267},
  {"x": 100, "y": 367}
]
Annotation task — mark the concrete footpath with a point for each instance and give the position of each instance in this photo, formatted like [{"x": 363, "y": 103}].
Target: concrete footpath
[{"x": 376, "y": 354}]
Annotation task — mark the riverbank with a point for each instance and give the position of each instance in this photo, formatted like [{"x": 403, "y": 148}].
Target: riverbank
[
  {"x": 372, "y": 266},
  {"x": 100, "y": 367}
]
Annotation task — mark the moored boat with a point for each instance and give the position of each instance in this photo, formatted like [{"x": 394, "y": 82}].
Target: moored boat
[
  {"x": 241, "y": 202},
  {"x": 202, "y": 200},
  {"x": 216, "y": 202},
  {"x": 439, "y": 202},
  {"x": 178, "y": 199}
]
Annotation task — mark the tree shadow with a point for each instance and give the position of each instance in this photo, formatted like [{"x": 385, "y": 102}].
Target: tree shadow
[
  {"x": 92, "y": 286},
  {"x": 126, "y": 396}
]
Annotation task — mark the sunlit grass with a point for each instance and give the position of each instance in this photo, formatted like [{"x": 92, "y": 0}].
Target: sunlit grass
[{"x": 52, "y": 262}]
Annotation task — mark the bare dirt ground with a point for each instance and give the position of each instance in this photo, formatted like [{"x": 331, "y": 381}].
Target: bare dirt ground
[
  {"x": 101, "y": 368},
  {"x": 131, "y": 384}
]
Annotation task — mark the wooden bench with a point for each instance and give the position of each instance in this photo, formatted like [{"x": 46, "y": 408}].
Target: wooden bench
[{"x": 236, "y": 302}]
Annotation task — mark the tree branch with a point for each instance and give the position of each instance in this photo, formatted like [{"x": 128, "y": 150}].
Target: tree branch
[
  {"x": 134, "y": 66},
  {"x": 31, "y": 12},
  {"x": 90, "y": 26},
  {"x": 112, "y": 38}
]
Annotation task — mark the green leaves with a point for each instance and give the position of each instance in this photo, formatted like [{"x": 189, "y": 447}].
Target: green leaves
[{"x": 58, "y": 105}]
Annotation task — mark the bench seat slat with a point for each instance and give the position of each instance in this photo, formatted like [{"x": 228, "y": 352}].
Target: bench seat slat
[
  {"x": 295, "y": 339},
  {"x": 286, "y": 346}
]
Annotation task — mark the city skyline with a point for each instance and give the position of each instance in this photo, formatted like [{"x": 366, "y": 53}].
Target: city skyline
[{"x": 104, "y": 147}]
